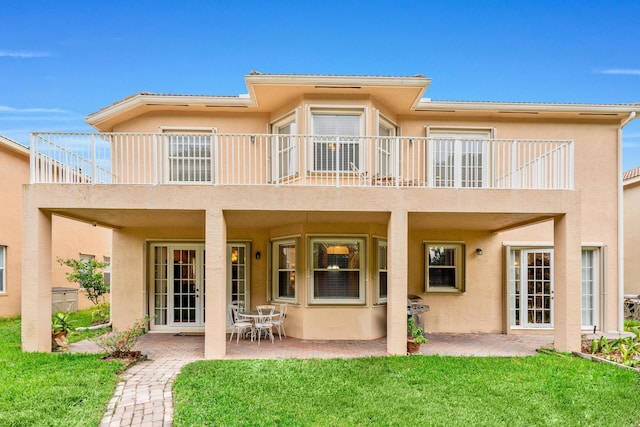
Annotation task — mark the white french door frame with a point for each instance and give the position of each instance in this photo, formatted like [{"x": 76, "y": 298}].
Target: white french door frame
[
  {"x": 456, "y": 141},
  {"x": 528, "y": 297},
  {"x": 186, "y": 282},
  {"x": 593, "y": 276}
]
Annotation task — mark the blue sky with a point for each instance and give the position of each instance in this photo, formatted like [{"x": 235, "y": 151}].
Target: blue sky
[{"x": 60, "y": 61}]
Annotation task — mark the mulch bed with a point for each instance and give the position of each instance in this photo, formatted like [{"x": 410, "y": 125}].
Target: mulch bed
[{"x": 128, "y": 358}]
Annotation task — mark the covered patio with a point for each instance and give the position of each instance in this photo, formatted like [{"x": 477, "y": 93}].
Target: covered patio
[{"x": 191, "y": 347}]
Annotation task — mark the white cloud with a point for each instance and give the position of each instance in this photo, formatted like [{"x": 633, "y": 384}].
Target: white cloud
[
  {"x": 6, "y": 109},
  {"x": 27, "y": 54},
  {"x": 621, "y": 71}
]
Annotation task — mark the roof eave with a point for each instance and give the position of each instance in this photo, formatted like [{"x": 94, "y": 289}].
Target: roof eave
[
  {"x": 516, "y": 107},
  {"x": 14, "y": 146},
  {"x": 145, "y": 99}
]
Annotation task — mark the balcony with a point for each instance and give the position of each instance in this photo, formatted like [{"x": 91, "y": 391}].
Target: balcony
[{"x": 306, "y": 160}]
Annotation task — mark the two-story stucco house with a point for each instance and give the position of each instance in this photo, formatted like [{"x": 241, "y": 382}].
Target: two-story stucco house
[
  {"x": 631, "y": 185},
  {"x": 69, "y": 239},
  {"x": 341, "y": 196}
]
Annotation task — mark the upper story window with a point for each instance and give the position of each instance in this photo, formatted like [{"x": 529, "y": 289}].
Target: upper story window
[
  {"x": 3, "y": 269},
  {"x": 190, "y": 155},
  {"x": 337, "y": 270},
  {"x": 336, "y": 142},
  {"x": 285, "y": 158},
  {"x": 386, "y": 150},
  {"x": 284, "y": 270},
  {"x": 459, "y": 158}
]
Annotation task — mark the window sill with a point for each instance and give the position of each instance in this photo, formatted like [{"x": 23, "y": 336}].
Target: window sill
[{"x": 444, "y": 291}]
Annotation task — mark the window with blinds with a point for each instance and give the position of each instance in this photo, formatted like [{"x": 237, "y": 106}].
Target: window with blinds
[
  {"x": 190, "y": 157},
  {"x": 336, "y": 142},
  {"x": 458, "y": 159},
  {"x": 337, "y": 276}
]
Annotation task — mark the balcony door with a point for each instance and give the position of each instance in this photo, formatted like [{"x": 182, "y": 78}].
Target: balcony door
[
  {"x": 458, "y": 159},
  {"x": 284, "y": 151}
]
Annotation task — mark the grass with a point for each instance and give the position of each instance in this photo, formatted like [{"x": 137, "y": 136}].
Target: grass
[
  {"x": 418, "y": 390},
  {"x": 83, "y": 318},
  {"x": 56, "y": 389}
]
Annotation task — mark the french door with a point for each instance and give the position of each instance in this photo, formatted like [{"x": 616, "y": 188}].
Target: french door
[
  {"x": 531, "y": 288},
  {"x": 178, "y": 285}
]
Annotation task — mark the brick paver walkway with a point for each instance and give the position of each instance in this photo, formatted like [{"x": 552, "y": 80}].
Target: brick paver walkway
[{"x": 144, "y": 397}]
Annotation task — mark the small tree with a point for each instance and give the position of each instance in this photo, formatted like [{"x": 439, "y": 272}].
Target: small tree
[{"x": 84, "y": 273}]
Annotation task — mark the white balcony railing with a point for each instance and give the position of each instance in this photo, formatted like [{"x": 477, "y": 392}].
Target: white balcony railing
[{"x": 310, "y": 160}]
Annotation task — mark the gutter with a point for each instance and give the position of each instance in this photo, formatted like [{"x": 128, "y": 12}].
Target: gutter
[{"x": 631, "y": 117}]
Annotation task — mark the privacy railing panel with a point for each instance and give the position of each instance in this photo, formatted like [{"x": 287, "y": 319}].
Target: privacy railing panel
[{"x": 309, "y": 160}]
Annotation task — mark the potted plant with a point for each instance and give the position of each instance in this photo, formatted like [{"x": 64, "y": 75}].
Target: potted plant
[
  {"x": 415, "y": 336},
  {"x": 60, "y": 327}
]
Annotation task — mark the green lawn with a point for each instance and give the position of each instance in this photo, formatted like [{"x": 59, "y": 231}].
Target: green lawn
[
  {"x": 418, "y": 390},
  {"x": 38, "y": 389}
]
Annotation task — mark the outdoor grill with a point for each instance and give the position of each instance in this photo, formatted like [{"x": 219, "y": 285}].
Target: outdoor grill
[{"x": 415, "y": 308}]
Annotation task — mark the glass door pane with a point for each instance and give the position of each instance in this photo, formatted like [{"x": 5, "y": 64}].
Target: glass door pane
[
  {"x": 589, "y": 289},
  {"x": 185, "y": 290},
  {"x": 538, "y": 288},
  {"x": 237, "y": 276}
]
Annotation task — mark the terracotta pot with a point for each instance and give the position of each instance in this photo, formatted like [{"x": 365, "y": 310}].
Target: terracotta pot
[{"x": 412, "y": 347}]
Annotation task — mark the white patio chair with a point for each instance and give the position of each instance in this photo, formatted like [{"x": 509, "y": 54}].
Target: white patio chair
[
  {"x": 264, "y": 322},
  {"x": 278, "y": 321},
  {"x": 239, "y": 325}
]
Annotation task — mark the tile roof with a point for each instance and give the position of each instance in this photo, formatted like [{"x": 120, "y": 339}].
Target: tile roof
[{"x": 631, "y": 173}]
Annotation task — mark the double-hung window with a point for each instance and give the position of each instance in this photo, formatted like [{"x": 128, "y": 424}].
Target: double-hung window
[
  {"x": 284, "y": 270},
  {"x": 336, "y": 141},
  {"x": 382, "y": 271},
  {"x": 190, "y": 156},
  {"x": 337, "y": 270},
  {"x": 3, "y": 269},
  {"x": 444, "y": 267},
  {"x": 458, "y": 159}
]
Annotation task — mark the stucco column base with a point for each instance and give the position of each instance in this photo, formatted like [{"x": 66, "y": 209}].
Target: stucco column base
[
  {"x": 398, "y": 276},
  {"x": 215, "y": 343},
  {"x": 567, "y": 282}
]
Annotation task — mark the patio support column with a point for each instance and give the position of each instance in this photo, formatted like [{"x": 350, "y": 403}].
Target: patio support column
[
  {"x": 398, "y": 249},
  {"x": 36, "y": 278},
  {"x": 215, "y": 343},
  {"x": 567, "y": 282}
]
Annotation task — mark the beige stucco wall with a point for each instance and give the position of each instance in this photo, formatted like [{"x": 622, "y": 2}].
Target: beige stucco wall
[
  {"x": 70, "y": 238},
  {"x": 632, "y": 239},
  {"x": 14, "y": 171}
]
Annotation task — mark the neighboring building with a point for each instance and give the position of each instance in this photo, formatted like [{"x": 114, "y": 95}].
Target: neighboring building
[
  {"x": 69, "y": 239},
  {"x": 631, "y": 182},
  {"x": 341, "y": 195}
]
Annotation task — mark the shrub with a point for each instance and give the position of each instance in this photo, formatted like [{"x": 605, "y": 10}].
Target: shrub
[
  {"x": 120, "y": 343},
  {"x": 101, "y": 313},
  {"x": 84, "y": 273}
]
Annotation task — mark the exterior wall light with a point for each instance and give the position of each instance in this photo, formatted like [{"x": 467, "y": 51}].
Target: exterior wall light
[
  {"x": 258, "y": 255},
  {"x": 479, "y": 251}
]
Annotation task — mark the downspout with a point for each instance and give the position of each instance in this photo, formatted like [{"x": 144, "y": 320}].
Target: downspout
[{"x": 631, "y": 117}]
